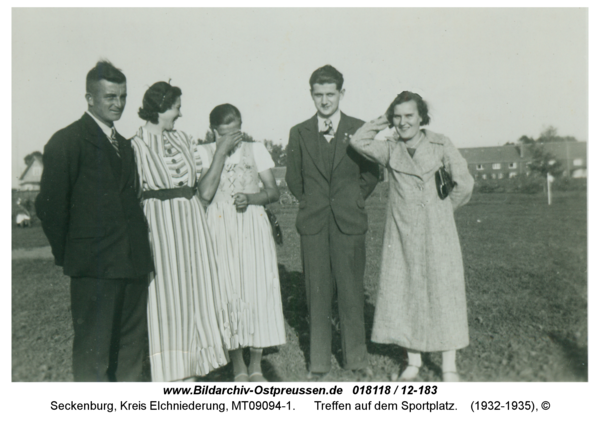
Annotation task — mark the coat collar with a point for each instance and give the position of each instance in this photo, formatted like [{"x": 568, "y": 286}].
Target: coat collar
[{"x": 425, "y": 160}]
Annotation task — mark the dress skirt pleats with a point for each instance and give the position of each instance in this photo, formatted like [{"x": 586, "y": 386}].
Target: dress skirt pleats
[
  {"x": 182, "y": 318},
  {"x": 247, "y": 262}
]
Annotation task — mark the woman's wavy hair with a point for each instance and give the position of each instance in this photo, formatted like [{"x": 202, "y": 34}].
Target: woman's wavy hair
[
  {"x": 159, "y": 98},
  {"x": 406, "y": 96}
]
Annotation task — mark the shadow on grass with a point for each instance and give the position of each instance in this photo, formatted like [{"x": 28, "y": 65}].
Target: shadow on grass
[
  {"x": 394, "y": 352},
  {"x": 295, "y": 311},
  {"x": 576, "y": 356}
]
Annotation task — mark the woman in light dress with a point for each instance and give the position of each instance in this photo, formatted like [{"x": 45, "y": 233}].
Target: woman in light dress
[
  {"x": 421, "y": 303},
  {"x": 184, "y": 321},
  {"x": 243, "y": 242}
]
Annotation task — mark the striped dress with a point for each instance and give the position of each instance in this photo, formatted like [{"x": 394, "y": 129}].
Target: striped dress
[
  {"x": 245, "y": 251},
  {"x": 184, "y": 333}
]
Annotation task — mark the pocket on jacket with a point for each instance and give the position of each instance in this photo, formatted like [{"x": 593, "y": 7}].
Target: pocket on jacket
[
  {"x": 361, "y": 203},
  {"x": 86, "y": 232}
]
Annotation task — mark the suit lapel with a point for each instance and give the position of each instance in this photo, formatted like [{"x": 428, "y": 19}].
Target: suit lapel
[
  {"x": 95, "y": 135},
  {"x": 310, "y": 136},
  {"x": 341, "y": 140},
  {"x": 93, "y": 132}
]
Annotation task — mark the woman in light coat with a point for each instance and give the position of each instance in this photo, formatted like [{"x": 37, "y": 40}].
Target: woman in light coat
[{"x": 421, "y": 303}]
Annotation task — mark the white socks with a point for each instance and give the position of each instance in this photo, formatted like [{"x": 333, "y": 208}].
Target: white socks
[
  {"x": 255, "y": 357},
  {"x": 449, "y": 361},
  {"x": 412, "y": 371},
  {"x": 414, "y": 359}
]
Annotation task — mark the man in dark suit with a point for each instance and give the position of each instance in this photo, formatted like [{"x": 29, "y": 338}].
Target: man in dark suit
[
  {"x": 91, "y": 214},
  {"x": 331, "y": 181}
]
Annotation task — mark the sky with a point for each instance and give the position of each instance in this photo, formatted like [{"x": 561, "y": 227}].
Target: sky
[{"x": 489, "y": 75}]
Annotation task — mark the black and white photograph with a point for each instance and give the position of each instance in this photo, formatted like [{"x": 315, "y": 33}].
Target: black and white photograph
[{"x": 392, "y": 195}]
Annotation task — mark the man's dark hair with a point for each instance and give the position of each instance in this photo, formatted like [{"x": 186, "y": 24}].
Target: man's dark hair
[
  {"x": 104, "y": 69},
  {"x": 327, "y": 74}
]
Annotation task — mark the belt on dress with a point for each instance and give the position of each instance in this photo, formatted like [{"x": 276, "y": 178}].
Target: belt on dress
[{"x": 167, "y": 194}]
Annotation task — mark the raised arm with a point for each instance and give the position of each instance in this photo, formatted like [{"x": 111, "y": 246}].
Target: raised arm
[
  {"x": 365, "y": 144},
  {"x": 209, "y": 182},
  {"x": 459, "y": 171}
]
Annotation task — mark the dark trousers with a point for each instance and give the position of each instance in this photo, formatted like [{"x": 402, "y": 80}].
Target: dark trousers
[
  {"x": 335, "y": 262},
  {"x": 109, "y": 319}
]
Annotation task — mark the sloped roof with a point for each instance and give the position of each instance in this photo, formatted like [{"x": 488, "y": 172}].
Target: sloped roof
[
  {"x": 482, "y": 155},
  {"x": 26, "y": 169},
  {"x": 511, "y": 153},
  {"x": 35, "y": 160}
]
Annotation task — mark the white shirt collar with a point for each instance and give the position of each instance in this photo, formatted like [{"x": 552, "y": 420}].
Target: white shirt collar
[
  {"x": 335, "y": 120},
  {"x": 107, "y": 130}
]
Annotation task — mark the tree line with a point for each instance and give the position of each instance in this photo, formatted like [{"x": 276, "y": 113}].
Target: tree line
[{"x": 543, "y": 162}]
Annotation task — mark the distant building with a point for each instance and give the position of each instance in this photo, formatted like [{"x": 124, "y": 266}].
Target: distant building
[
  {"x": 497, "y": 162},
  {"x": 31, "y": 177}
]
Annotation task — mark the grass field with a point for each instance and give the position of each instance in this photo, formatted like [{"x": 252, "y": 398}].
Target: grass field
[{"x": 526, "y": 273}]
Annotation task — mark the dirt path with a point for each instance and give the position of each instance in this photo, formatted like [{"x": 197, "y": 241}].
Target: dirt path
[{"x": 35, "y": 253}]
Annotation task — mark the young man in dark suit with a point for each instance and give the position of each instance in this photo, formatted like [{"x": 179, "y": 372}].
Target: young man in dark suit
[
  {"x": 91, "y": 214},
  {"x": 331, "y": 181}
]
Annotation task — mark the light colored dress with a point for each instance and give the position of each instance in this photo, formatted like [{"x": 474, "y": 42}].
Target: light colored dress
[
  {"x": 183, "y": 327},
  {"x": 245, "y": 251},
  {"x": 421, "y": 302}
]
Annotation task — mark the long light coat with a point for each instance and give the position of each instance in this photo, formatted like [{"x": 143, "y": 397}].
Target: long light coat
[{"x": 421, "y": 303}]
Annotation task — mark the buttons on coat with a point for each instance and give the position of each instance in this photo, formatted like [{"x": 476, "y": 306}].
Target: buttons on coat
[{"x": 180, "y": 183}]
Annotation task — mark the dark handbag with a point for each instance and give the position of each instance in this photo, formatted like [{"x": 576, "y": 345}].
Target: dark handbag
[
  {"x": 277, "y": 234},
  {"x": 443, "y": 182}
]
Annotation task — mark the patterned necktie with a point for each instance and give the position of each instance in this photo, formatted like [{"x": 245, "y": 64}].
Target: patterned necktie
[
  {"x": 113, "y": 140},
  {"x": 327, "y": 128}
]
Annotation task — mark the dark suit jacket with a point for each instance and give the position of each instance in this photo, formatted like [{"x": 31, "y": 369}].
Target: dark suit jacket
[
  {"x": 89, "y": 207},
  {"x": 343, "y": 189}
]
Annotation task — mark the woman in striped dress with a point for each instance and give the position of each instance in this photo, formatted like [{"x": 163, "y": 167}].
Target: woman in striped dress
[
  {"x": 184, "y": 318},
  {"x": 243, "y": 242}
]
